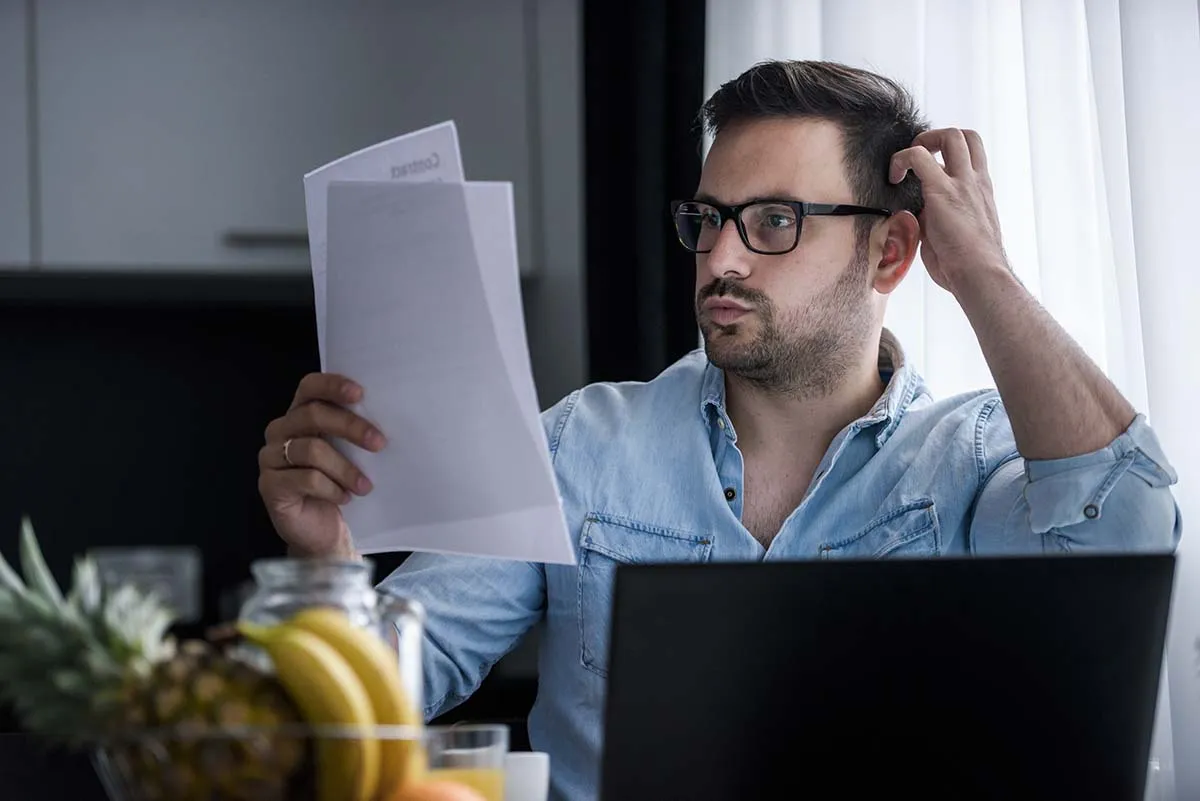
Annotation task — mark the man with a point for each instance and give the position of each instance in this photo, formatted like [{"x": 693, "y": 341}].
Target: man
[{"x": 799, "y": 431}]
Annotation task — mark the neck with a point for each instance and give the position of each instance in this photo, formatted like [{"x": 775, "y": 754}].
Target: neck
[{"x": 772, "y": 421}]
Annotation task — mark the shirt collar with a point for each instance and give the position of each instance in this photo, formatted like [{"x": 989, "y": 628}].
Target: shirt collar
[{"x": 902, "y": 386}]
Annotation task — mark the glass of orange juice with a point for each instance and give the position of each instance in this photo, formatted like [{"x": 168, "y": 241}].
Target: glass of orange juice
[{"x": 470, "y": 754}]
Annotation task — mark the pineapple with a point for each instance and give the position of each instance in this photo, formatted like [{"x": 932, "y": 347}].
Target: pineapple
[{"x": 96, "y": 668}]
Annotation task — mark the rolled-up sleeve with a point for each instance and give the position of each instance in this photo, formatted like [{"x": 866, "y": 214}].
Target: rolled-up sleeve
[{"x": 1115, "y": 499}]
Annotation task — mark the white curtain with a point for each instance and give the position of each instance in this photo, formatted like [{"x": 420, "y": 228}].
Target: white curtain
[{"x": 1090, "y": 113}]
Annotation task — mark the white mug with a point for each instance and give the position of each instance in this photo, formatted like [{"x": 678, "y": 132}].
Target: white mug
[{"x": 526, "y": 776}]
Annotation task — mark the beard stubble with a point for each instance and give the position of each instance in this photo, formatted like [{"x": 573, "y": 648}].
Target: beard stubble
[{"x": 807, "y": 351}]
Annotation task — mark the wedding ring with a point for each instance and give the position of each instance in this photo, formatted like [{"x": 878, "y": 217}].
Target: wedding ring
[{"x": 286, "y": 457}]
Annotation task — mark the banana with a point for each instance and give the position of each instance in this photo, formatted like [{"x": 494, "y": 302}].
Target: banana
[
  {"x": 328, "y": 692},
  {"x": 378, "y": 667}
]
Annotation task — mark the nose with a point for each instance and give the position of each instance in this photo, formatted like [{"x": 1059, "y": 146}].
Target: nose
[{"x": 729, "y": 257}]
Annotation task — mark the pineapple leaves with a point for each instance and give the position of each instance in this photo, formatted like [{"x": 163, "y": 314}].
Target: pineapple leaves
[
  {"x": 9, "y": 580},
  {"x": 86, "y": 592},
  {"x": 66, "y": 662},
  {"x": 37, "y": 573}
]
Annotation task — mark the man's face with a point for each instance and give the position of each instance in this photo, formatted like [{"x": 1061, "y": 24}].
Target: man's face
[{"x": 793, "y": 322}]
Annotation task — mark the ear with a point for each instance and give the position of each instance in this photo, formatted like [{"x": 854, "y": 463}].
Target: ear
[{"x": 893, "y": 248}]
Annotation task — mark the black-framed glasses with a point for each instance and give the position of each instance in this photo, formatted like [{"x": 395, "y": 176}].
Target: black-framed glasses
[{"x": 769, "y": 227}]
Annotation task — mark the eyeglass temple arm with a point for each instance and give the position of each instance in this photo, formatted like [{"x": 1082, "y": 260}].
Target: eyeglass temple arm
[{"x": 840, "y": 210}]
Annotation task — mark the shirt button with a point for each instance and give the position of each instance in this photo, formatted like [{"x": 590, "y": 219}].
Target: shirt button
[
  {"x": 730, "y": 493},
  {"x": 720, "y": 422},
  {"x": 1091, "y": 512}
]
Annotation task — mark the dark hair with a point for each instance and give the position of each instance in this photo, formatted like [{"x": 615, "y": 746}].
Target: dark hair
[{"x": 877, "y": 117}]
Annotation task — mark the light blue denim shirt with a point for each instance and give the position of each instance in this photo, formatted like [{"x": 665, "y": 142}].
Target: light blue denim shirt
[{"x": 652, "y": 472}]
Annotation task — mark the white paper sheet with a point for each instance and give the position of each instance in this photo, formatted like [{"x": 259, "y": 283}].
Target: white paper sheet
[
  {"x": 492, "y": 210},
  {"x": 410, "y": 316},
  {"x": 430, "y": 154}
]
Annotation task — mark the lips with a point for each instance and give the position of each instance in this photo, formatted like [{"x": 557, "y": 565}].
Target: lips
[
  {"x": 724, "y": 304},
  {"x": 723, "y": 311}
]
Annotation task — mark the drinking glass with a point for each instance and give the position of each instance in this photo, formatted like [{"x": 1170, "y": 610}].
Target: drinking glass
[{"x": 470, "y": 754}]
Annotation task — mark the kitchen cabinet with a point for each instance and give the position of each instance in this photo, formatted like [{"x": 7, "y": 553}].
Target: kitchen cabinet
[
  {"x": 15, "y": 218},
  {"x": 175, "y": 134}
]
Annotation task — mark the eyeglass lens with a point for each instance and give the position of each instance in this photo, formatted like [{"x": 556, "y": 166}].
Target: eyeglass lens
[{"x": 769, "y": 227}]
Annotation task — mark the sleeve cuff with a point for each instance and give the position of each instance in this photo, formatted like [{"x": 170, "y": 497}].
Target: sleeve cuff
[{"x": 1066, "y": 492}]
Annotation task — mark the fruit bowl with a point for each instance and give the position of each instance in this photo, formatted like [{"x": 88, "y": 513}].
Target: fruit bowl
[
  {"x": 236, "y": 763},
  {"x": 331, "y": 712}
]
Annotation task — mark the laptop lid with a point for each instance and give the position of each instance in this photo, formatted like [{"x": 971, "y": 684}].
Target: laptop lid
[{"x": 1030, "y": 678}]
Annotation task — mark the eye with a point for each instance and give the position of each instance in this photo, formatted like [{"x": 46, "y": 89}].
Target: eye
[
  {"x": 710, "y": 218},
  {"x": 776, "y": 217}
]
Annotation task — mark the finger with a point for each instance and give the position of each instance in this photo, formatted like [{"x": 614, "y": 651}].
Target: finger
[
  {"x": 923, "y": 165},
  {"x": 328, "y": 387},
  {"x": 951, "y": 143},
  {"x": 283, "y": 486},
  {"x": 317, "y": 418},
  {"x": 975, "y": 146},
  {"x": 317, "y": 454}
]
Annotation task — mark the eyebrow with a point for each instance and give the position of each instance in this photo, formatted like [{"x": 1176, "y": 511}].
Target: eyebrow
[{"x": 704, "y": 197}]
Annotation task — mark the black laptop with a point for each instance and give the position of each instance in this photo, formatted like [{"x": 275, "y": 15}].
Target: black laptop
[{"x": 956, "y": 678}]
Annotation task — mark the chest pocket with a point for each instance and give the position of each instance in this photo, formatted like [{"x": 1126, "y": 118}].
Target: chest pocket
[
  {"x": 605, "y": 542},
  {"x": 908, "y": 530}
]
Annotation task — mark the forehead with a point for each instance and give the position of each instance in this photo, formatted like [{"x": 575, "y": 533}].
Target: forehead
[{"x": 791, "y": 158}]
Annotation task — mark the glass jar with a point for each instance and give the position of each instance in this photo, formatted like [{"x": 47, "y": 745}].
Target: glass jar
[{"x": 284, "y": 586}]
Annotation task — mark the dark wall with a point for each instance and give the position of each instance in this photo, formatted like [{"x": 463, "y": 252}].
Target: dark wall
[{"x": 133, "y": 409}]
